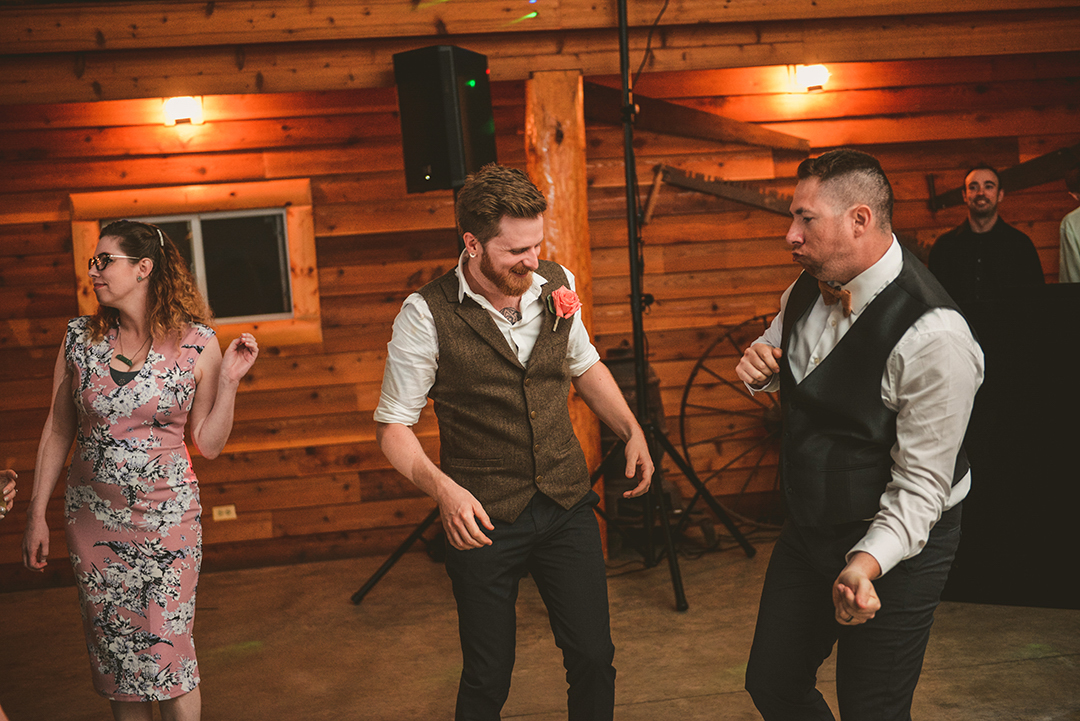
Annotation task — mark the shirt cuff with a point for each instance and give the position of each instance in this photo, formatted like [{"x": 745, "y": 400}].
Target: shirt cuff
[
  {"x": 386, "y": 413},
  {"x": 882, "y": 545},
  {"x": 580, "y": 365},
  {"x": 772, "y": 386}
]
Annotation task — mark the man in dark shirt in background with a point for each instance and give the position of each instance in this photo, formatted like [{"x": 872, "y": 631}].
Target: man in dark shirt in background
[{"x": 984, "y": 254}]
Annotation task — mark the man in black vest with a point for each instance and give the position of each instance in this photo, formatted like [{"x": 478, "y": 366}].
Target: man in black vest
[
  {"x": 496, "y": 343},
  {"x": 878, "y": 372}
]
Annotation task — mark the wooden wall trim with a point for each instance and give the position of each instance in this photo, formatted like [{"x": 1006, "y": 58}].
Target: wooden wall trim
[
  {"x": 208, "y": 198},
  {"x": 337, "y": 65}
]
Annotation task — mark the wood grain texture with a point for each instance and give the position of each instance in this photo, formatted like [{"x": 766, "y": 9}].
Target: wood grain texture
[
  {"x": 239, "y": 22},
  {"x": 331, "y": 65},
  {"x": 302, "y": 466},
  {"x": 556, "y": 162}
]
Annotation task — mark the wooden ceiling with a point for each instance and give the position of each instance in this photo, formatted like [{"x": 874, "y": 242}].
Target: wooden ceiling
[{"x": 76, "y": 52}]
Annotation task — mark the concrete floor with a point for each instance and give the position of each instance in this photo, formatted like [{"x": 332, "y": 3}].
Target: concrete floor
[{"x": 285, "y": 643}]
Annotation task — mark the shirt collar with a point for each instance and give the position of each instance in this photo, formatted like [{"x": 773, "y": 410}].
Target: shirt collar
[
  {"x": 866, "y": 285},
  {"x": 528, "y": 297}
]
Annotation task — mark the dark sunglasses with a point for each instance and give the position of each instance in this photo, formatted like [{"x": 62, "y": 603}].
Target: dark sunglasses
[{"x": 101, "y": 261}]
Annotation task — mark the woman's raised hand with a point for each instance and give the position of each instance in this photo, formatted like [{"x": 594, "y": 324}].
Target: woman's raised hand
[{"x": 239, "y": 357}]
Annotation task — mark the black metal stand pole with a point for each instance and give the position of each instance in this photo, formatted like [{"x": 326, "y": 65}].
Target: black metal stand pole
[
  {"x": 654, "y": 435},
  {"x": 395, "y": 556},
  {"x": 657, "y": 490}
]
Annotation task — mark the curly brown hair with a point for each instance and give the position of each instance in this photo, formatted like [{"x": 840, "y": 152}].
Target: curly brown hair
[{"x": 174, "y": 298}]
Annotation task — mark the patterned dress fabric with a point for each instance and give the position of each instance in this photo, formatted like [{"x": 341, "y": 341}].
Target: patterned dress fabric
[{"x": 133, "y": 515}]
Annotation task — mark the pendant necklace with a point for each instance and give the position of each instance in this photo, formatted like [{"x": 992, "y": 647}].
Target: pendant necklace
[{"x": 123, "y": 358}]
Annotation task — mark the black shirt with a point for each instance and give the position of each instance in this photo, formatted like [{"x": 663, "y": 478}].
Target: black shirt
[{"x": 976, "y": 266}]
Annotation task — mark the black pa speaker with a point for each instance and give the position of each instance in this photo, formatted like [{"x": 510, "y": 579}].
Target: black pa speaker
[{"x": 447, "y": 128}]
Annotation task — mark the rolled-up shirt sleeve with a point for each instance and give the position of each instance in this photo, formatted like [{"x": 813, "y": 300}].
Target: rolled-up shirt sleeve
[
  {"x": 412, "y": 359},
  {"x": 580, "y": 351}
]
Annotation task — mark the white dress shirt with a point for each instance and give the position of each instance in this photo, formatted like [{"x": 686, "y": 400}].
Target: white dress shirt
[
  {"x": 412, "y": 356},
  {"x": 930, "y": 381}
]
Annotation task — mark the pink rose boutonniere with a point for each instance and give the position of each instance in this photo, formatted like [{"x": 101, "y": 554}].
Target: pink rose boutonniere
[{"x": 563, "y": 302}]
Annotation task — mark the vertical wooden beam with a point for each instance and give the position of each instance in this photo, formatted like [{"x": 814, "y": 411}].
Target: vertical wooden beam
[{"x": 555, "y": 159}]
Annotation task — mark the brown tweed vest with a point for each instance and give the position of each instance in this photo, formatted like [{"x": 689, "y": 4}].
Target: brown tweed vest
[{"x": 504, "y": 428}]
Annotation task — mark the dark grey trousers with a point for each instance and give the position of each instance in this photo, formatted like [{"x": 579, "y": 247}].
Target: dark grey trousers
[
  {"x": 878, "y": 663},
  {"x": 561, "y": 550}
]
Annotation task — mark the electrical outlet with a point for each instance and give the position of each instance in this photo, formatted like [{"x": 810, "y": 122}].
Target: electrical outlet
[{"x": 225, "y": 513}]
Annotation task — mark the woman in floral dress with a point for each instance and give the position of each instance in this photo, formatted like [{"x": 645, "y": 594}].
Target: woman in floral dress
[{"x": 126, "y": 381}]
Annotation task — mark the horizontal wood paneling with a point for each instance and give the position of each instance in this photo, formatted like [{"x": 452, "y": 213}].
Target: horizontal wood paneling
[
  {"x": 722, "y": 87},
  {"x": 105, "y": 74},
  {"x": 302, "y": 467},
  {"x": 229, "y": 22}
]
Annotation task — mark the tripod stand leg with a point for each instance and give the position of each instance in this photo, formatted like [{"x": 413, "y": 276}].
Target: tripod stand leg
[
  {"x": 669, "y": 542},
  {"x": 647, "y": 524},
  {"x": 704, "y": 493},
  {"x": 612, "y": 523},
  {"x": 394, "y": 557}
]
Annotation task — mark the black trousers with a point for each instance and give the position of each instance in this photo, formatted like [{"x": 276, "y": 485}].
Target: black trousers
[
  {"x": 561, "y": 549},
  {"x": 877, "y": 663}
]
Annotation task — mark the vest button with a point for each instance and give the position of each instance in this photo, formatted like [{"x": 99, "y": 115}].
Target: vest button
[
  {"x": 539, "y": 478},
  {"x": 532, "y": 415},
  {"x": 536, "y": 448},
  {"x": 527, "y": 381}
]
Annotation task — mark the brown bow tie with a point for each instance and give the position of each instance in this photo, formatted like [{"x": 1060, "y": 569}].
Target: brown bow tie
[{"x": 830, "y": 295}]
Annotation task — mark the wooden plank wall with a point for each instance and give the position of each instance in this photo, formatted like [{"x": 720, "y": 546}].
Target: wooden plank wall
[
  {"x": 134, "y": 50},
  {"x": 712, "y": 264},
  {"x": 302, "y": 467},
  {"x": 302, "y": 461}
]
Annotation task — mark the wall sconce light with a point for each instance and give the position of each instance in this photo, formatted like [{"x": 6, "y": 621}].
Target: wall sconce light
[
  {"x": 187, "y": 109},
  {"x": 811, "y": 77}
]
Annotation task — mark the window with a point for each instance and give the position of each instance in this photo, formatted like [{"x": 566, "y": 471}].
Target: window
[
  {"x": 239, "y": 259},
  {"x": 251, "y": 247}
]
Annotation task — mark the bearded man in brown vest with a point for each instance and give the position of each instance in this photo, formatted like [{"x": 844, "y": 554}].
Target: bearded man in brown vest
[
  {"x": 878, "y": 372},
  {"x": 493, "y": 343}
]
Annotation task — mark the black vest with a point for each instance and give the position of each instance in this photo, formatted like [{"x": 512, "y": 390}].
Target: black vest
[
  {"x": 504, "y": 428},
  {"x": 835, "y": 456}
]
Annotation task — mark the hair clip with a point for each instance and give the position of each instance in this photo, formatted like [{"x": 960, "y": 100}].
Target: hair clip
[{"x": 161, "y": 238}]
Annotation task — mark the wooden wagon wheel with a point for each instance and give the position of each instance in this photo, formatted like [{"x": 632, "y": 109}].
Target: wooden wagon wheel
[{"x": 730, "y": 437}]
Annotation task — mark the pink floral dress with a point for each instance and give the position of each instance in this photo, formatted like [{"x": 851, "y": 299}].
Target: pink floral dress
[{"x": 133, "y": 515}]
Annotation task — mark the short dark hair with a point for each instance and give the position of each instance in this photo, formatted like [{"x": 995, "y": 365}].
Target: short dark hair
[
  {"x": 853, "y": 175},
  {"x": 492, "y": 193},
  {"x": 1072, "y": 180},
  {"x": 983, "y": 166}
]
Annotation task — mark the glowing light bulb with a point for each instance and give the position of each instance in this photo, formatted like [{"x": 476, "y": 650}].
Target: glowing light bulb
[
  {"x": 187, "y": 108},
  {"x": 811, "y": 77}
]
